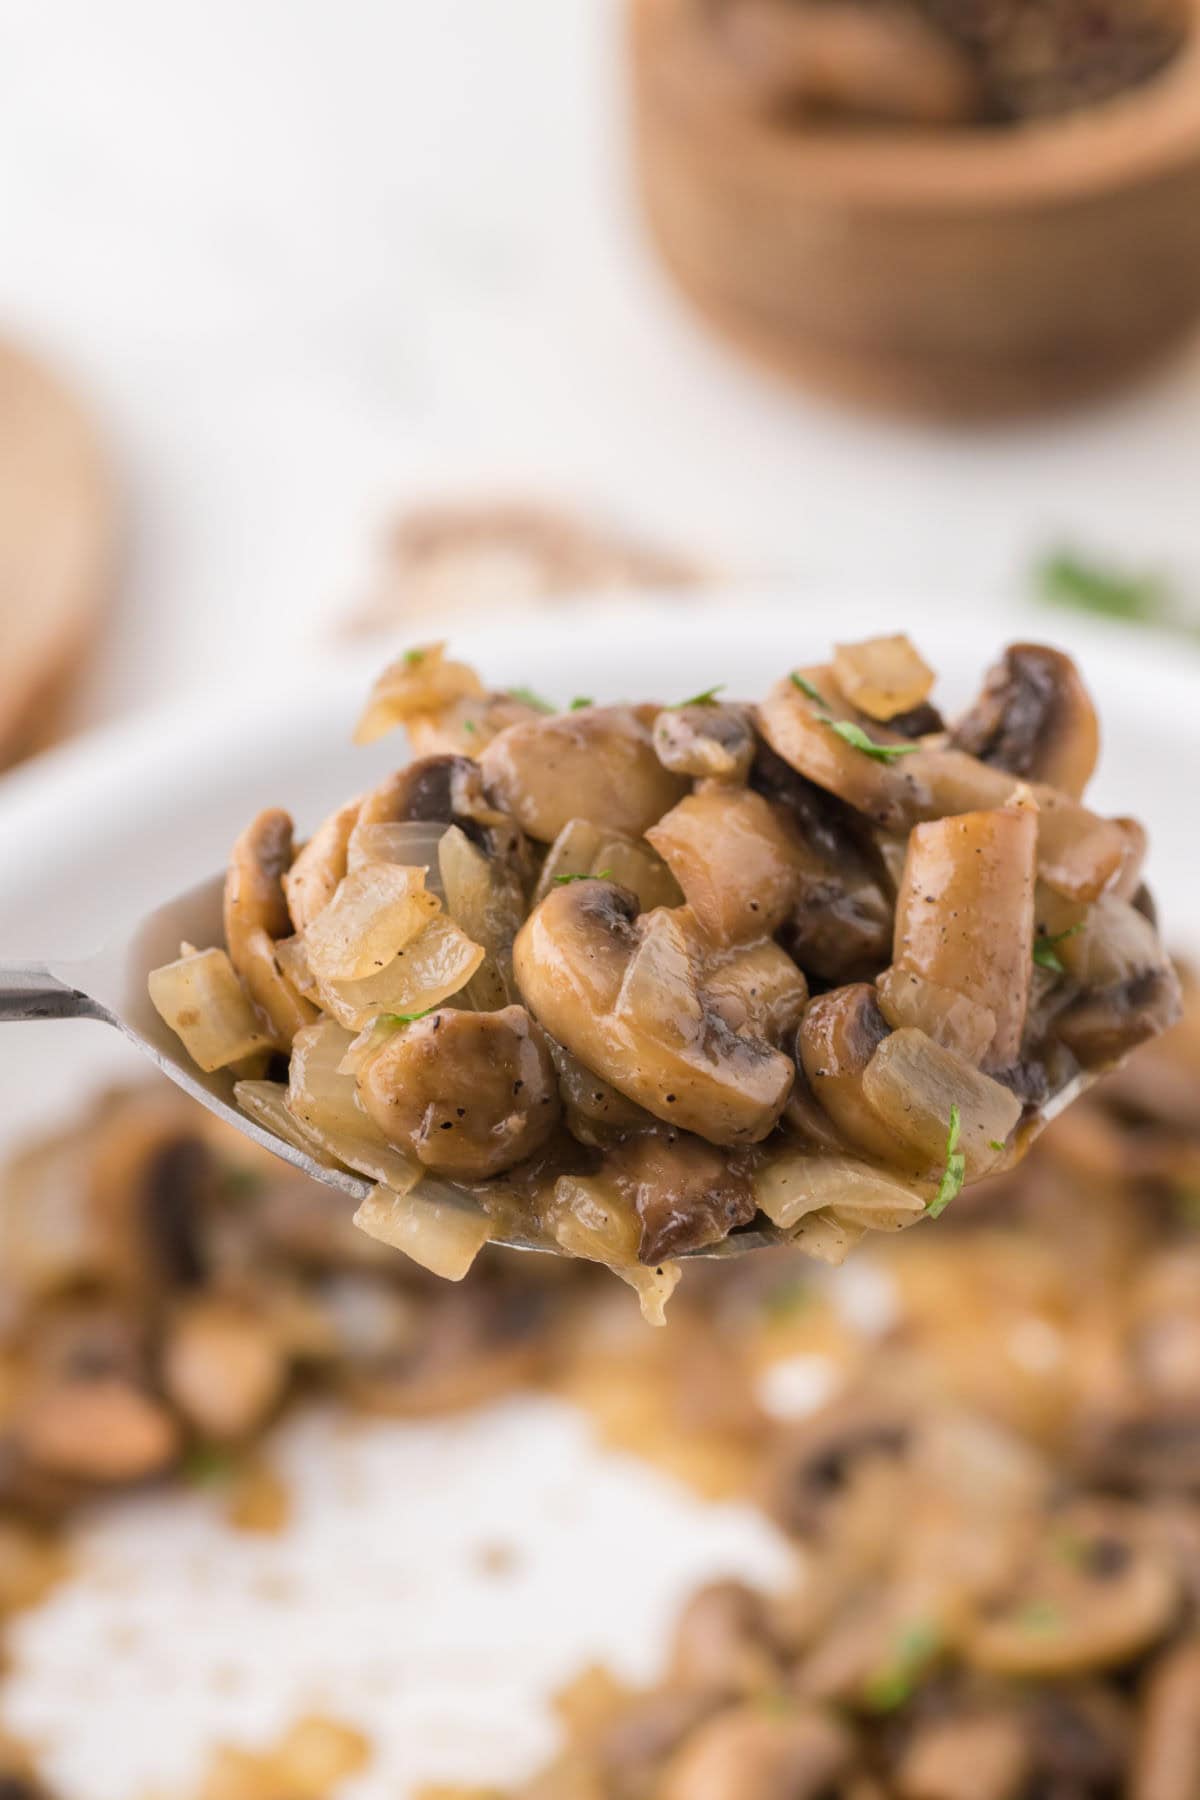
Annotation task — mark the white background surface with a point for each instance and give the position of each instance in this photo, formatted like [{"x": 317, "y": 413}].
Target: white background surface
[{"x": 312, "y": 259}]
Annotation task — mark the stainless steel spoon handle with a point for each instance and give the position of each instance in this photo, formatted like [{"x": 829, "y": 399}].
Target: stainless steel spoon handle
[{"x": 29, "y": 991}]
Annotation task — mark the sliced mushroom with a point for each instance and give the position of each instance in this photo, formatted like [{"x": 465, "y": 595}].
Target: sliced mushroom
[
  {"x": 1098, "y": 1590},
  {"x": 685, "y": 1193},
  {"x": 598, "y": 763},
  {"x": 623, "y": 995},
  {"x": 224, "y": 1367},
  {"x": 749, "y": 1753},
  {"x": 1035, "y": 719},
  {"x": 814, "y": 1463},
  {"x": 838, "y": 1037},
  {"x": 797, "y": 718},
  {"x": 256, "y": 915},
  {"x": 311, "y": 881},
  {"x": 594, "y": 1112},
  {"x": 448, "y": 790},
  {"x": 1167, "y": 1755},
  {"x": 964, "y": 915},
  {"x": 723, "y": 1642},
  {"x": 981, "y": 1753},
  {"x": 1132, "y": 993},
  {"x": 468, "y": 1094},
  {"x": 101, "y": 1429},
  {"x": 734, "y": 856},
  {"x": 714, "y": 742},
  {"x": 757, "y": 989}
]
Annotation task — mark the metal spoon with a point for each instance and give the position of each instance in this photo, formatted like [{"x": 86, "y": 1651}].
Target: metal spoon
[{"x": 111, "y": 986}]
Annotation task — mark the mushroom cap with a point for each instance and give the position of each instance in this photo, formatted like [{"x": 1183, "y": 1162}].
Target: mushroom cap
[
  {"x": 1034, "y": 718},
  {"x": 468, "y": 1094},
  {"x": 598, "y": 763}
]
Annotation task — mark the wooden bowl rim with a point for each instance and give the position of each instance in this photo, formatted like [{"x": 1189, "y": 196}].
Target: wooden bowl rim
[{"x": 1141, "y": 136}]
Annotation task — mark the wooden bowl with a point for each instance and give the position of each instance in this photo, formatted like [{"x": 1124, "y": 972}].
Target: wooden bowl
[{"x": 968, "y": 272}]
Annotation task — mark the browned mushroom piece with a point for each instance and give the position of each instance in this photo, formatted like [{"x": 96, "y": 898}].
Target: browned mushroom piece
[
  {"x": 814, "y": 1463},
  {"x": 757, "y": 989},
  {"x": 223, "y": 1367},
  {"x": 839, "y": 1035},
  {"x": 468, "y": 1094},
  {"x": 873, "y": 62},
  {"x": 311, "y": 881},
  {"x": 445, "y": 790},
  {"x": 623, "y": 994},
  {"x": 1167, "y": 1752},
  {"x": 750, "y": 1753},
  {"x": 735, "y": 859},
  {"x": 1034, "y": 718},
  {"x": 1081, "y": 1734},
  {"x": 723, "y": 1642},
  {"x": 964, "y": 916},
  {"x": 631, "y": 1749},
  {"x": 598, "y": 763},
  {"x": 256, "y": 916},
  {"x": 798, "y": 719},
  {"x": 980, "y": 1752},
  {"x": 594, "y": 1111},
  {"x": 685, "y": 1193},
  {"x": 1097, "y": 1590},
  {"x": 710, "y": 741}
]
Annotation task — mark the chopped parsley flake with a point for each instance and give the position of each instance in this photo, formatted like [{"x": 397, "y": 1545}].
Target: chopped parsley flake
[
  {"x": 1045, "y": 953},
  {"x": 1066, "y": 578},
  {"x": 914, "y": 1649},
  {"x": 396, "y": 1019},
  {"x": 854, "y": 734},
  {"x": 707, "y": 698},
  {"x": 600, "y": 875},
  {"x": 579, "y": 702},
  {"x": 807, "y": 689},
  {"x": 413, "y": 657},
  {"x": 1040, "y": 1616},
  {"x": 531, "y": 699},
  {"x": 469, "y": 725},
  {"x": 955, "y": 1172},
  {"x": 996, "y": 1144},
  {"x": 205, "y": 1465}
]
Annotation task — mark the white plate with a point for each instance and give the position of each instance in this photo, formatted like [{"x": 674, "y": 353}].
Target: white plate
[{"x": 177, "y": 1632}]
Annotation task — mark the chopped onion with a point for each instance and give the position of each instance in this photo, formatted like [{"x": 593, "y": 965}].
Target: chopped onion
[
  {"x": 410, "y": 842},
  {"x": 202, "y": 1000},
  {"x": 658, "y": 990},
  {"x": 822, "y": 1236},
  {"x": 912, "y": 1084},
  {"x": 292, "y": 958},
  {"x": 1112, "y": 944},
  {"x": 484, "y": 897},
  {"x": 588, "y": 1218},
  {"x": 883, "y": 676},
  {"x": 444, "y": 1235},
  {"x": 326, "y": 1104},
  {"x": 791, "y": 1185},
  {"x": 435, "y": 964},
  {"x": 582, "y": 848},
  {"x": 266, "y": 1103},
  {"x": 375, "y": 912},
  {"x": 421, "y": 681},
  {"x": 942, "y": 1013}
]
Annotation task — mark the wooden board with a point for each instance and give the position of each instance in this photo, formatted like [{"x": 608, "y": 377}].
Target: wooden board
[{"x": 57, "y": 549}]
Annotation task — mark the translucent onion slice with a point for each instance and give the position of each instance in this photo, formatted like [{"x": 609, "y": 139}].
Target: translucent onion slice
[
  {"x": 377, "y": 910},
  {"x": 883, "y": 676},
  {"x": 202, "y": 1000},
  {"x": 420, "y": 681},
  {"x": 942, "y": 1013},
  {"x": 266, "y": 1103},
  {"x": 582, "y": 848},
  {"x": 442, "y": 1231},
  {"x": 412, "y": 842},
  {"x": 431, "y": 967},
  {"x": 790, "y": 1186},
  {"x": 292, "y": 958},
  {"x": 325, "y": 1102},
  {"x": 588, "y": 1218},
  {"x": 825, "y": 1238},
  {"x": 484, "y": 897},
  {"x": 911, "y": 1083}
]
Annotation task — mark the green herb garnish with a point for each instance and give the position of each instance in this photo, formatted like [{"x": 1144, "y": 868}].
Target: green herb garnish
[
  {"x": 397, "y": 1019},
  {"x": 807, "y": 689},
  {"x": 955, "y": 1172},
  {"x": 413, "y": 657},
  {"x": 1040, "y": 1616},
  {"x": 1045, "y": 953},
  {"x": 600, "y": 875},
  {"x": 1066, "y": 578},
  {"x": 470, "y": 726},
  {"x": 914, "y": 1649},
  {"x": 579, "y": 702},
  {"x": 707, "y": 698},
  {"x": 996, "y": 1144},
  {"x": 531, "y": 699},
  {"x": 854, "y": 734},
  {"x": 205, "y": 1466}
]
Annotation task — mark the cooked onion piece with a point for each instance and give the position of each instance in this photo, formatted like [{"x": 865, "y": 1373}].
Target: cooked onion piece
[
  {"x": 442, "y": 1231},
  {"x": 201, "y": 999},
  {"x": 582, "y": 848},
  {"x": 883, "y": 677},
  {"x": 913, "y": 1085},
  {"x": 948, "y": 1017},
  {"x": 432, "y": 966},
  {"x": 375, "y": 912},
  {"x": 266, "y": 1103},
  {"x": 421, "y": 681},
  {"x": 757, "y": 989},
  {"x": 791, "y": 1184},
  {"x": 484, "y": 897},
  {"x": 412, "y": 843},
  {"x": 588, "y": 1217},
  {"x": 325, "y": 1102}
]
